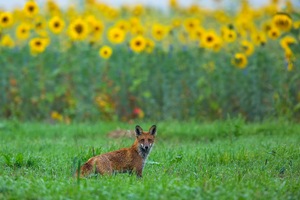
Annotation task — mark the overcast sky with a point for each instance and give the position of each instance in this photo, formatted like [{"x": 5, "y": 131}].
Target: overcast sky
[{"x": 10, "y": 4}]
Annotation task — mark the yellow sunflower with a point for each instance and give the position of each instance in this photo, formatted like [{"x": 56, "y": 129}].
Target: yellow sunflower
[
  {"x": 38, "y": 45},
  {"x": 105, "y": 52},
  {"x": 282, "y": 21},
  {"x": 138, "y": 44},
  {"x": 259, "y": 38},
  {"x": 123, "y": 25},
  {"x": 159, "y": 31},
  {"x": 240, "y": 60},
  {"x": 197, "y": 33},
  {"x": 6, "y": 19},
  {"x": 56, "y": 24},
  {"x": 209, "y": 39},
  {"x": 191, "y": 24},
  {"x": 23, "y": 31},
  {"x": 97, "y": 28},
  {"x": 31, "y": 9},
  {"x": 149, "y": 46},
  {"x": 247, "y": 47},
  {"x": 229, "y": 35},
  {"x": 273, "y": 33},
  {"x": 287, "y": 41},
  {"x": 116, "y": 35},
  {"x": 7, "y": 41},
  {"x": 78, "y": 29}
]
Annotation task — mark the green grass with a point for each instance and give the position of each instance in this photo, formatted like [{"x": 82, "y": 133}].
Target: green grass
[{"x": 221, "y": 160}]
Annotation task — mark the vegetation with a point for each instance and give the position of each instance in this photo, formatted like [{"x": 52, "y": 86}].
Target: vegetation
[
  {"x": 221, "y": 160},
  {"x": 92, "y": 61}
]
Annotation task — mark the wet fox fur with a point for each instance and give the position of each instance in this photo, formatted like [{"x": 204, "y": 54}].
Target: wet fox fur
[{"x": 130, "y": 159}]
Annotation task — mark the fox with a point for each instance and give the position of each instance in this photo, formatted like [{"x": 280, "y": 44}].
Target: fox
[{"x": 124, "y": 160}]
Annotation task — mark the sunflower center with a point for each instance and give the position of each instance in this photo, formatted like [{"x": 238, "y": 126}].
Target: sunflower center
[
  {"x": 56, "y": 24},
  {"x": 78, "y": 28},
  {"x": 209, "y": 39},
  {"x": 158, "y": 32},
  {"x": 191, "y": 25},
  {"x": 31, "y": 8},
  {"x": 138, "y": 43},
  {"x": 238, "y": 60},
  {"x": 105, "y": 52},
  {"x": 38, "y": 25},
  {"x": 116, "y": 36},
  {"x": 38, "y": 43},
  {"x": 245, "y": 48},
  {"x": 23, "y": 31},
  {"x": 4, "y": 19}
]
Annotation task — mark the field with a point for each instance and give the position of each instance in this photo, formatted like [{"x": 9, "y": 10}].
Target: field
[
  {"x": 221, "y": 160},
  {"x": 223, "y": 83},
  {"x": 91, "y": 61}
]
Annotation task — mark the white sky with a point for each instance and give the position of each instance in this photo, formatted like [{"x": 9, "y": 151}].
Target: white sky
[{"x": 10, "y": 4}]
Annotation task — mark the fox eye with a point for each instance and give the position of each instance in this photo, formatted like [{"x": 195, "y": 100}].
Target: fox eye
[
  {"x": 150, "y": 141},
  {"x": 142, "y": 140}
]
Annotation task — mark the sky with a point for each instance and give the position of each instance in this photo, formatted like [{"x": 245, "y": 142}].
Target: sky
[{"x": 10, "y": 4}]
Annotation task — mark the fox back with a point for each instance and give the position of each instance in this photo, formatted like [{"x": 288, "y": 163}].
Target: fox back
[{"x": 130, "y": 159}]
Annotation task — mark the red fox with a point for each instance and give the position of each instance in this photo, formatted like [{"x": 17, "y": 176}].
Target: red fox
[{"x": 130, "y": 159}]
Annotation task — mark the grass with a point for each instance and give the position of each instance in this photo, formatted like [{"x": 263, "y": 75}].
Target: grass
[{"x": 221, "y": 160}]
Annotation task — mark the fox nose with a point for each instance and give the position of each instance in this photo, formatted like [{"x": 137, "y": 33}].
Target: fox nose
[{"x": 146, "y": 147}]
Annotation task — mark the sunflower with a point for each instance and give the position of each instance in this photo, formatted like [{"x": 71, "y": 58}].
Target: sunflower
[
  {"x": 38, "y": 45},
  {"x": 176, "y": 23},
  {"x": 97, "y": 28},
  {"x": 273, "y": 33},
  {"x": 229, "y": 35},
  {"x": 209, "y": 39},
  {"x": 197, "y": 33},
  {"x": 123, "y": 25},
  {"x": 116, "y": 35},
  {"x": 56, "y": 24},
  {"x": 6, "y": 19},
  {"x": 159, "y": 31},
  {"x": 23, "y": 31},
  {"x": 173, "y": 4},
  {"x": 78, "y": 29},
  {"x": 137, "y": 30},
  {"x": 138, "y": 44},
  {"x": 259, "y": 38},
  {"x": 282, "y": 21},
  {"x": 287, "y": 41},
  {"x": 240, "y": 60},
  {"x": 105, "y": 52},
  {"x": 191, "y": 24},
  {"x": 31, "y": 9},
  {"x": 7, "y": 41},
  {"x": 149, "y": 46},
  {"x": 138, "y": 10},
  {"x": 247, "y": 47}
]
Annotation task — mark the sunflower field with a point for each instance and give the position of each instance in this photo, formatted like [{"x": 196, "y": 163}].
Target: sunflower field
[{"x": 92, "y": 61}]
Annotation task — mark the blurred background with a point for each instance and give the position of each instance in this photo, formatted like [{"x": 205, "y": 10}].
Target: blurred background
[
  {"x": 158, "y": 4},
  {"x": 88, "y": 60}
]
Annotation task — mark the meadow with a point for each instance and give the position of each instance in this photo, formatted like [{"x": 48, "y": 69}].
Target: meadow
[
  {"x": 221, "y": 160},
  {"x": 222, "y": 85}
]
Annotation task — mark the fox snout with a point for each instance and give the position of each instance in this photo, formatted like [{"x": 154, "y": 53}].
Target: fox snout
[{"x": 146, "y": 146}]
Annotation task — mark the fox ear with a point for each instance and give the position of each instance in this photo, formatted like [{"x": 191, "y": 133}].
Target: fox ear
[
  {"x": 138, "y": 130},
  {"x": 152, "y": 130}
]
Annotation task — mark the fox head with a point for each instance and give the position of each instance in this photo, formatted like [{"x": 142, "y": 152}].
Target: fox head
[{"x": 145, "y": 139}]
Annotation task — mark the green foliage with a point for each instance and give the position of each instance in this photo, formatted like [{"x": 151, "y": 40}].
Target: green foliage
[
  {"x": 220, "y": 160},
  {"x": 166, "y": 85}
]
